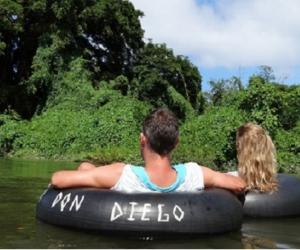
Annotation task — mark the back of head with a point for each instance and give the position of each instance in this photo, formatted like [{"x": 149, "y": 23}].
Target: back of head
[
  {"x": 161, "y": 128},
  {"x": 256, "y": 156}
]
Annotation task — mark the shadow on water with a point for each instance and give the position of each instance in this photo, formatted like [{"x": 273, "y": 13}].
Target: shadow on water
[{"x": 23, "y": 181}]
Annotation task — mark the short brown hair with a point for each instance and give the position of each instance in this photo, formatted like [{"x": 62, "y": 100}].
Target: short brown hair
[{"x": 161, "y": 128}]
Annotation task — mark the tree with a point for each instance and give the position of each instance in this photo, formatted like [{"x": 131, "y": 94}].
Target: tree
[
  {"x": 269, "y": 103},
  {"x": 266, "y": 73},
  {"x": 164, "y": 79},
  {"x": 106, "y": 33},
  {"x": 263, "y": 102},
  {"x": 224, "y": 89},
  {"x": 291, "y": 106}
]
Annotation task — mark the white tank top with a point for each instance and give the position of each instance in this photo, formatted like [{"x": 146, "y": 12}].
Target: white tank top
[{"x": 130, "y": 182}]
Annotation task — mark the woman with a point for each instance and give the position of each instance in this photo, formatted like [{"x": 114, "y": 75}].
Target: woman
[{"x": 256, "y": 155}]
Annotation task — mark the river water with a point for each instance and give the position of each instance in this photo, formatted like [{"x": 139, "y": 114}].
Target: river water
[{"x": 23, "y": 181}]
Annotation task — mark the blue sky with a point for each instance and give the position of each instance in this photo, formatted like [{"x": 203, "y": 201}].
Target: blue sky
[{"x": 228, "y": 38}]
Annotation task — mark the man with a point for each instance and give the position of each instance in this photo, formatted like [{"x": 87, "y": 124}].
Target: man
[{"x": 160, "y": 136}]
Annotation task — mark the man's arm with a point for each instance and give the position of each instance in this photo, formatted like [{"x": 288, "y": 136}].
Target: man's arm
[
  {"x": 100, "y": 177},
  {"x": 222, "y": 180},
  {"x": 86, "y": 166}
]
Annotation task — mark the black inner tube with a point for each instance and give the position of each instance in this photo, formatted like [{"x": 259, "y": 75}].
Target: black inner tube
[{"x": 212, "y": 210}]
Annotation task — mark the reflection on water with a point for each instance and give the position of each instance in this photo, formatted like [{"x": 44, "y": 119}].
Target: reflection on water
[
  {"x": 250, "y": 242},
  {"x": 272, "y": 233},
  {"x": 23, "y": 181}
]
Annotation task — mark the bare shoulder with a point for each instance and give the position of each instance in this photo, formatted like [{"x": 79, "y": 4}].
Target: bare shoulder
[
  {"x": 118, "y": 166},
  {"x": 111, "y": 169},
  {"x": 207, "y": 170},
  {"x": 101, "y": 177},
  {"x": 107, "y": 176}
]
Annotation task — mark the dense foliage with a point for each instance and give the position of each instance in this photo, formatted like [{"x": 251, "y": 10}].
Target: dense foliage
[{"x": 77, "y": 79}]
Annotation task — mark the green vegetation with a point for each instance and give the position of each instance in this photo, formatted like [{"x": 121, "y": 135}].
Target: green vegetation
[{"x": 77, "y": 79}]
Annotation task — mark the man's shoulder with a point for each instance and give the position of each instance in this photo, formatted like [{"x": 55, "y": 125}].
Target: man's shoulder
[{"x": 111, "y": 170}]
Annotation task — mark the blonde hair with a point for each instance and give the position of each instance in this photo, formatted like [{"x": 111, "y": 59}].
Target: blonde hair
[{"x": 256, "y": 155}]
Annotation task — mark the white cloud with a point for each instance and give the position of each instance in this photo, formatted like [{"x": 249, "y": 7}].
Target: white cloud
[{"x": 227, "y": 33}]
